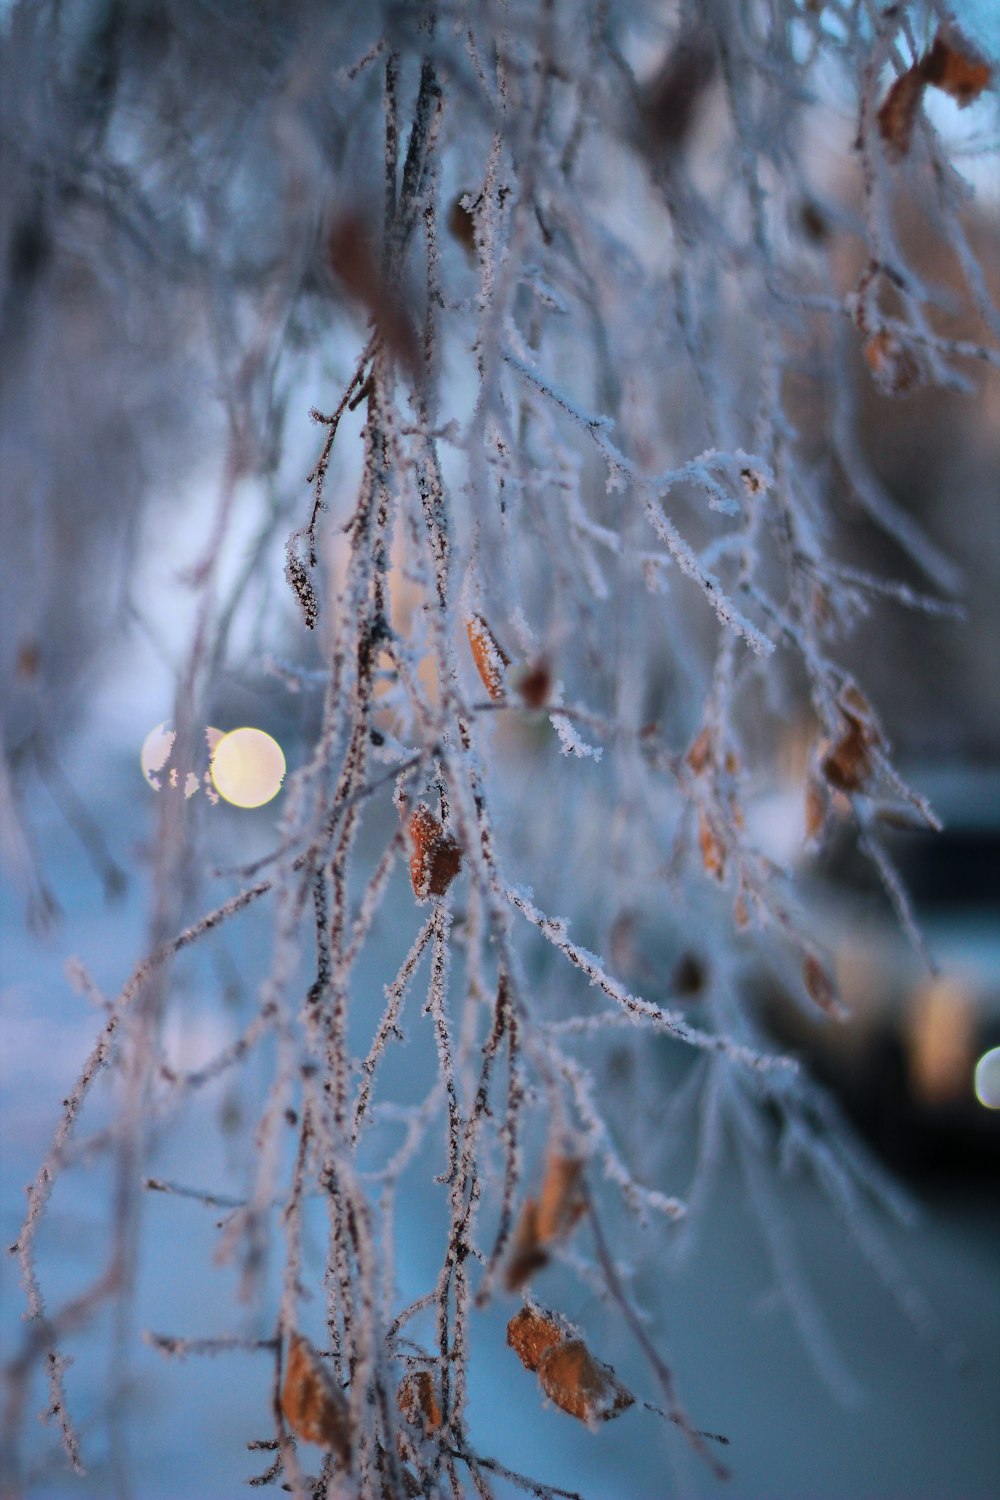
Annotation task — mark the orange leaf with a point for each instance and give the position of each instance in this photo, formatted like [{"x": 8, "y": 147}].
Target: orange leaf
[
  {"x": 417, "y": 1400},
  {"x": 959, "y": 73},
  {"x": 713, "y": 856},
  {"x": 580, "y": 1385},
  {"x": 490, "y": 658},
  {"x": 313, "y": 1406},
  {"x": 700, "y": 752},
  {"x": 531, "y": 1333},
  {"x": 528, "y": 1254},
  {"x": 560, "y": 1203},
  {"x": 436, "y": 857},
  {"x": 847, "y": 765},
  {"x": 899, "y": 110}
]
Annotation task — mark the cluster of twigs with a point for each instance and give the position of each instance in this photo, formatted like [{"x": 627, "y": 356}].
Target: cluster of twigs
[{"x": 564, "y": 566}]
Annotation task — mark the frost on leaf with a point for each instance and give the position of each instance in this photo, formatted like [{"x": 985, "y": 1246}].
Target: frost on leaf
[
  {"x": 312, "y": 1405},
  {"x": 490, "y": 658},
  {"x": 436, "y": 858},
  {"x": 418, "y": 1401},
  {"x": 567, "y": 1371},
  {"x": 531, "y": 1333},
  {"x": 581, "y": 1385},
  {"x": 952, "y": 66}
]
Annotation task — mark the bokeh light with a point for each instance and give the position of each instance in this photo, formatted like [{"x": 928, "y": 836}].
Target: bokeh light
[
  {"x": 987, "y": 1079},
  {"x": 248, "y": 767}
]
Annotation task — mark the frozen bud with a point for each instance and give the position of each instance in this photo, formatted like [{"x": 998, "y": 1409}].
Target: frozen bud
[
  {"x": 580, "y": 1385},
  {"x": 490, "y": 658},
  {"x": 531, "y": 1333},
  {"x": 418, "y": 1402},
  {"x": 300, "y": 583},
  {"x": 436, "y": 858},
  {"x": 313, "y": 1406}
]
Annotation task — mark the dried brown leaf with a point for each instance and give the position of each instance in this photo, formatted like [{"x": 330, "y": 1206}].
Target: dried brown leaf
[
  {"x": 418, "y": 1401},
  {"x": 490, "y": 658},
  {"x": 355, "y": 260},
  {"x": 534, "y": 685},
  {"x": 560, "y": 1202},
  {"x": 527, "y": 1254},
  {"x": 858, "y": 712},
  {"x": 819, "y": 986},
  {"x": 701, "y": 752},
  {"x": 580, "y": 1385},
  {"x": 436, "y": 858},
  {"x": 898, "y": 110},
  {"x": 531, "y": 1333},
  {"x": 313, "y": 1406},
  {"x": 956, "y": 69},
  {"x": 713, "y": 855},
  {"x": 670, "y": 102},
  {"x": 847, "y": 765}
]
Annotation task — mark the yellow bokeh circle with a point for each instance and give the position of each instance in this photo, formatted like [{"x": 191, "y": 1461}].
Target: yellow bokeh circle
[{"x": 247, "y": 767}]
